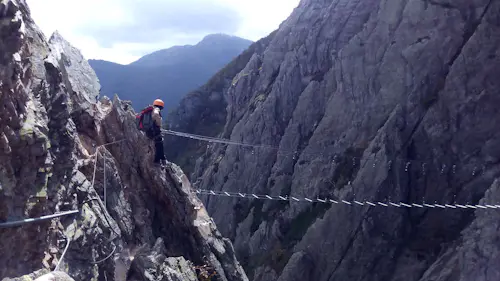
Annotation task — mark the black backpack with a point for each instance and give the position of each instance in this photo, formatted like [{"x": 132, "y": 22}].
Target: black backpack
[{"x": 144, "y": 120}]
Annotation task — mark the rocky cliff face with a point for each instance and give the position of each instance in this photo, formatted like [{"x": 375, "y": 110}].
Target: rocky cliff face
[
  {"x": 364, "y": 100},
  {"x": 62, "y": 150},
  {"x": 204, "y": 111}
]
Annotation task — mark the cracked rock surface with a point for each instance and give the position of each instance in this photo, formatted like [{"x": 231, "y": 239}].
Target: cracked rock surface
[
  {"x": 350, "y": 92},
  {"x": 63, "y": 149}
]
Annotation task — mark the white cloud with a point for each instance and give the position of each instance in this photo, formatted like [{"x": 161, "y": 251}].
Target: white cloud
[
  {"x": 123, "y": 30},
  {"x": 261, "y": 17}
]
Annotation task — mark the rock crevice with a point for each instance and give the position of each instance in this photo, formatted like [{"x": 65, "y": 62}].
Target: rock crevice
[{"x": 374, "y": 100}]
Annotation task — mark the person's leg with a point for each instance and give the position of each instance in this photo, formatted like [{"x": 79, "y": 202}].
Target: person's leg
[
  {"x": 159, "y": 153},
  {"x": 162, "y": 152}
]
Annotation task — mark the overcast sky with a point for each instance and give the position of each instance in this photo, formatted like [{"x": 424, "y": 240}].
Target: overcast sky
[{"x": 123, "y": 30}]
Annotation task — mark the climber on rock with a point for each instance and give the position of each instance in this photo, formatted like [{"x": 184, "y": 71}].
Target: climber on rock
[
  {"x": 150, "y": 121},
  {"x": 156, "y": 132}
]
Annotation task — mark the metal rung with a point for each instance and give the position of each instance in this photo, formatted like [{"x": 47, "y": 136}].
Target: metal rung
[{"x": 31, "y": 220}]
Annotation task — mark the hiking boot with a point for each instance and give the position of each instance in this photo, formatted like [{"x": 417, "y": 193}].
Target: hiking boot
[{"x": 161, "y": 164}]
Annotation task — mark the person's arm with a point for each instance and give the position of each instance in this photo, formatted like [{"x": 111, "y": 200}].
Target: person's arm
[{"x": 156, "y": 117}]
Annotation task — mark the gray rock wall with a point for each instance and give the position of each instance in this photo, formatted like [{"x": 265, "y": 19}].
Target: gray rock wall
[
  {"x": 367, "y": 100},
  {"x": 204, "y": 110}
]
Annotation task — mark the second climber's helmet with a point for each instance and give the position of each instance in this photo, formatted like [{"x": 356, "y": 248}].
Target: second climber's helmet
[{"x": 159, "y": 102}]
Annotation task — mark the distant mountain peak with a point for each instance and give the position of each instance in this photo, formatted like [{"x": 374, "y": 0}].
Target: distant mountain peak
[
  {"x": 57, "y": 37},
  {"x": 170, "y": 73},
  {"x": 215, "y": 36},
  {"x": 217, "y": 42},
  {"x": 219, "y": 38}
]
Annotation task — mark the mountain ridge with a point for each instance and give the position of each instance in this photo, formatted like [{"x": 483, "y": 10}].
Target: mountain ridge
[
  {"x": 169, "y": 73},
  {"x": 218, "y": 40}
]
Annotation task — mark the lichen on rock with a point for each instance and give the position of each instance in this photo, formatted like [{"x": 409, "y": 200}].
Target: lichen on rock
[{"x": 57, "y": 139}]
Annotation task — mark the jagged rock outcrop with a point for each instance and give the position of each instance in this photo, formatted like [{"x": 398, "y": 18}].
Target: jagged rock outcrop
[
  {"x": 154, "y": 265},
  {"x": 365, "y": 100},
  {"x": 80, "y": 80},
  {"x": 62, "y": 150},
  {"x": 44, "y": 275}
]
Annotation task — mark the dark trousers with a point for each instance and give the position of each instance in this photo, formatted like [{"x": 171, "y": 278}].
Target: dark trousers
[
  {"x": 155, "y": 134},
  {"x": 159, "y": 153}
]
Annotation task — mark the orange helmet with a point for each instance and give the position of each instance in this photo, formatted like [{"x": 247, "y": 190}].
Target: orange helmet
[{"x": 159, "y": 102}]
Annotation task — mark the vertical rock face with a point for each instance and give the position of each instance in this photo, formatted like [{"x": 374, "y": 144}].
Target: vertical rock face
[
  {"x": 76, "y": 70},
  {"x": 80, "y": 80},
  {"x": 364, "y": 100},
  {"x": 204, "y": 110},
  {"x": 62, "y": 150}
]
